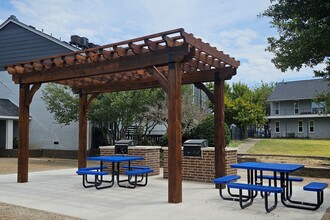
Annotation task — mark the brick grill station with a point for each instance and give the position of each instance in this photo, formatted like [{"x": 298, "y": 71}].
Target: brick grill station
[
  {"x": 151, "y": 156},
  {"x": 201, "y": 168}
]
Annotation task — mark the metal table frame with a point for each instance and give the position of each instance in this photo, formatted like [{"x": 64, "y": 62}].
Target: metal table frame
[{"x": 115, "y": 168}]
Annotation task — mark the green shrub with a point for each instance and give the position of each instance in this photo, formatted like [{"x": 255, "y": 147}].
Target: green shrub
[
  {"x": 163, "y": 140},
  {"x": 205, "y": 130}
]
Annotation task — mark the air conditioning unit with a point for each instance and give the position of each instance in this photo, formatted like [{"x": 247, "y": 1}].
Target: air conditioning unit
[
  {"x": 84, "y": 41},
  {"x": 75, "y": 40}
]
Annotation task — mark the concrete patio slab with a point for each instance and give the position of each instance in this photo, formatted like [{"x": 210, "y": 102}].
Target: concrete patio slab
[{"x": 61, "y": 191}]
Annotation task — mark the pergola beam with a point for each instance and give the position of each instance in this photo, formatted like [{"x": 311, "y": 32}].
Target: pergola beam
[
  {"x": 120, "y": 64},
  {"x": 159, "y": 76},
  {"x": 208, "y": 92},
  {"x": 225, "y": 73}
]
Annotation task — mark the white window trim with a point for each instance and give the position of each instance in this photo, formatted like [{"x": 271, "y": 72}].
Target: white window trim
[
  {"x": 279, "y": 127},
  {"x": 302, "y": 126},
  {"x": 294, "y": 109},
  {"x": 309, "y": 126},
  {"x": 279, "y": 107}
]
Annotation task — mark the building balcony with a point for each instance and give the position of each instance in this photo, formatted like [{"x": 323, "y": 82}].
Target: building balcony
[{"x": 298, "y": 113}]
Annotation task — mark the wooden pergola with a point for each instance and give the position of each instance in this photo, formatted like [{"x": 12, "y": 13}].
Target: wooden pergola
[{"x": 167, "y": 60}]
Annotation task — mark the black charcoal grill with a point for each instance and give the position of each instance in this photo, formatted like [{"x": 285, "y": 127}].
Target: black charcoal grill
[
  {"x": 192, "y": 147},
  {"x": 121, "y": 146}
]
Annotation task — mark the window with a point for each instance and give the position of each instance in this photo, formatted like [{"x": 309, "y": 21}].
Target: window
[
  {"x": 318, "y": 108},
  {"x": 311, "y": 126},
  {"x": 277, "y": 108},
  {"x": 277, "y": 127},
  {"x": 296, "y": 107},
  {"x": 300, "y": 127}
]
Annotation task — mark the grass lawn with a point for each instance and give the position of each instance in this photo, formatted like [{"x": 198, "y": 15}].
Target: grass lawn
[
  {"x": 301, "y": 147},
  {"x": 235, "y": 143}
]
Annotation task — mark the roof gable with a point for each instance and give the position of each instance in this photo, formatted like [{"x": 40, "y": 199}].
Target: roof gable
[
  {"x": 297, "y": 90},
  {"x": 8, "y": 109},
  {"x": 20, "y": 42}
]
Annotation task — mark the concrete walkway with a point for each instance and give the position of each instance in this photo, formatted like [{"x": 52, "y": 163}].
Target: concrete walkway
[
  {"x": 61, "y": 191},
  {"x": 244, "y": 147}
]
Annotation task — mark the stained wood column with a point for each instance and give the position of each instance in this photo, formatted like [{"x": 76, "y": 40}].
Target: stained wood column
[
  {"x": 84, "y": 105},
  {"x": 25, "y": 98},
  {"x": 219, "y": 126},
  {"x": 23, "y": 134},
  {"x": 82, "y": 151},
  {"x": 174, "y": 134}
]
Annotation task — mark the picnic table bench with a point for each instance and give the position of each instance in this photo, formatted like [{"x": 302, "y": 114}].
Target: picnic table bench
[{"x": 251, "y": 188}]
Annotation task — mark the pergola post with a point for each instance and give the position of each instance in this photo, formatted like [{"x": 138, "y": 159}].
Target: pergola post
[
  {"x": 25, "y": 99},
  {"x": 174, "y": 133},
  {"x": 23, "y": 134},
  {"x": 219, "y": 126},
  {"x": 84, "y": 105},
  {"x": 82, "y": 151}
]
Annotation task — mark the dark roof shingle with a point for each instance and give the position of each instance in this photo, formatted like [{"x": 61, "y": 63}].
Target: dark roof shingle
[
  {"x": 8, "y": 109},
  {"x": 297, "y": 90}
]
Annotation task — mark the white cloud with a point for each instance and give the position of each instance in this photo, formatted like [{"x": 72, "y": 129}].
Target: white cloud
[
  {"x": 249, "y": 46},
  {"x": 231, "y": 26}
]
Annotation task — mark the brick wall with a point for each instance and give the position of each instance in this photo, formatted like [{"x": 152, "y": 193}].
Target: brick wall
[
  {"x": 151, "y": 155},
  {"x": 201, "y": 168}
]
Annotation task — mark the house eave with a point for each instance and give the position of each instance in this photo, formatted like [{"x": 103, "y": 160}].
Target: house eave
[
  {"x": 299, "y": 116},
  {"x": 8, "y": 117}
]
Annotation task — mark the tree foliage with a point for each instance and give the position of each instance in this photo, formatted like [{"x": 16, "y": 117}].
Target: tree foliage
[
  {"x": 61, "y": 102},
  {"x": 244, "y": 106},
  {"x": 113, "y": 113},
  {"x": 205, "y": 130},
  {"x": 304, "y": 30},
  {"x": 192, "y": 114},
  {"x": 261, "y": 94}
]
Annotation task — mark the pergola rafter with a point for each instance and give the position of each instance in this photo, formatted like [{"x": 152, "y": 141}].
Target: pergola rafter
[{"x": 167, "y": 60}]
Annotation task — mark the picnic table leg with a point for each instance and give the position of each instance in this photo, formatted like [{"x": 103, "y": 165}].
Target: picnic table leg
[
  {"x": 125, "y": 180},
  {"x": 85, "y": 180},
  {"x": 269, "y": 209},
  {"x": 251, "y": 180},
  {"x": 305, "y": 205},
  {"x": 247, "y": 202},
  {"x": 234, "y": 197},
  {"x": 287, "y": 193}
]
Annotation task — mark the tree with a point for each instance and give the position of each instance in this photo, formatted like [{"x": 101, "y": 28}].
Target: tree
[
  {"x": 304, "y": 30},
  {"x": 205, "y": 130},
  {"x": 242, "y": 107},
  {"x": 61, "y": 102},
  {"x": 261, "y": 94},
  {"x": 192, "y": 114},
  {"x": 111, "y": 113}
]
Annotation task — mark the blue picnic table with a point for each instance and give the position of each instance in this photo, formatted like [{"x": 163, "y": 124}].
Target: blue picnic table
[
  {"x": 116, "y": 163},
  {"x": 281, "y": 173}
]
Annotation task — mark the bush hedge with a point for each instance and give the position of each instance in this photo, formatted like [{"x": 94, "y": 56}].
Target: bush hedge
[{"x": 203, "y": 130}]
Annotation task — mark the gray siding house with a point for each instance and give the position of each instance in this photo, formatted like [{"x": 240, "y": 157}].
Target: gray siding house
[
  {"x": 293, "y": 112},
  {"x": 20, "y": 42}
]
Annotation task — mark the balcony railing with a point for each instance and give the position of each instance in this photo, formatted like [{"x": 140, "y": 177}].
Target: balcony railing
[{"x": 300, "y": 111}]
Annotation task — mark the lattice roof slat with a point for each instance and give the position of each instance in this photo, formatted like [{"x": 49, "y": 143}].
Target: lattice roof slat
[{"x": 125, "y": 61}]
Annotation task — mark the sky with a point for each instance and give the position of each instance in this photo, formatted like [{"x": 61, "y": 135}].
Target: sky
[{"x": 233, "y": 26}]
